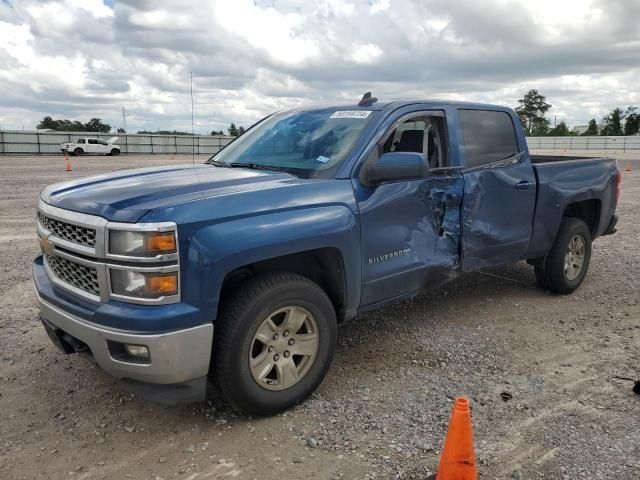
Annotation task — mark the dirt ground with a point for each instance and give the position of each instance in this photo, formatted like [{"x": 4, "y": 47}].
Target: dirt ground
[{"x": 383, "y": 409}]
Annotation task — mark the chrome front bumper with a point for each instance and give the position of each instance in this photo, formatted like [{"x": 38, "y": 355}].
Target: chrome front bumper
[{"x": 175, "y": 357}]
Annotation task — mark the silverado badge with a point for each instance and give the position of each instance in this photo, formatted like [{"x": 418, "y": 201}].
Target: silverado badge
[{"x": 389, "y": 256}]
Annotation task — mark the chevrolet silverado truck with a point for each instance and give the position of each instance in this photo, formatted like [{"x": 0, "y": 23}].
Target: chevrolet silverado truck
[
  {"x": 239, "y": 270},
  {"x": 90, "y": 145}
]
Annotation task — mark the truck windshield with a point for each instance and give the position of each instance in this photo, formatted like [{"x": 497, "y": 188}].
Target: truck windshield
[{"x": 309, "y": 143}]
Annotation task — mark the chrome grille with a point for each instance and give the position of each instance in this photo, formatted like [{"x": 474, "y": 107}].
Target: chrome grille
[
  {"x": 68, "y": 231},
  {"x": 80, "y": 276}
]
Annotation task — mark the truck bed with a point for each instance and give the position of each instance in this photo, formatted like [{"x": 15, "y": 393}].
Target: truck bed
[
  {"x": 565, "y": 180},
  {"x": 558, "y": 158}
]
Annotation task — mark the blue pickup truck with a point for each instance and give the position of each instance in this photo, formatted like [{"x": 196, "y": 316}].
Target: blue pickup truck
[{"x": 240, "y": 269}]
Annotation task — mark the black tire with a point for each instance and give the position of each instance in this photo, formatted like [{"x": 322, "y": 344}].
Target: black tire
[
  {"x": 242, "y": 314},
  {"x": 78, "y": 152},
  {"x": 115, "y": 152},
  {"x": 551, "y": 275}
]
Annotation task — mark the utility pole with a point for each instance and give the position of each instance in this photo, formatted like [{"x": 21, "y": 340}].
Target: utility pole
[{"x": 124, "y": 120}]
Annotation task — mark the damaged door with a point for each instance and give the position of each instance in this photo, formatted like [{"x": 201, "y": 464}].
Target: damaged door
[
  {"x": 500, "y": 191},
  {"x": 410, "y": 229}
]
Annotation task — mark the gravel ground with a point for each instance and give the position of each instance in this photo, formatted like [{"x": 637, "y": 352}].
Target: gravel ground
[{"x": 383, "y": 410}]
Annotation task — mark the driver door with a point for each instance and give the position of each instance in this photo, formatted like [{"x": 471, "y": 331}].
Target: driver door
[{"x": 410, "y": 229}]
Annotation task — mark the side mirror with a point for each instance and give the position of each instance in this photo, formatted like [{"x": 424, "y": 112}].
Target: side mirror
[{"x": 393, "y": 166}]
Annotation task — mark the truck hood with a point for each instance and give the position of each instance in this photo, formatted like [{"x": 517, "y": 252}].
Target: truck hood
[{"x": 128, "y": 195}]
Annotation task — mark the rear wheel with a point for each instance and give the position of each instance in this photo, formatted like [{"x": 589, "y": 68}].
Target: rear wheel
[
  {"x": 115, "y": 152},
  {"x": 274, "y": 343},
  {"x": 78, "y": 152},
  {"x": 567, "y": 262}
]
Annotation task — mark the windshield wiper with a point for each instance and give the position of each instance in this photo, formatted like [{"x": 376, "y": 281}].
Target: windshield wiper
[
  {"x": 217, "y": 163},
  {"x": 255, "y": 166}
]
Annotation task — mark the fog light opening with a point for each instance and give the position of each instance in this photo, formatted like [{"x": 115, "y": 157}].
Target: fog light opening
[
  {"x": 139, "y": 351},
  {"x": 128, "y": 352}
]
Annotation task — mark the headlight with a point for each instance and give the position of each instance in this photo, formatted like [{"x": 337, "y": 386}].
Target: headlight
[
  {"x": 144, "y": 284},
  {"x": 140, "y": 243}
]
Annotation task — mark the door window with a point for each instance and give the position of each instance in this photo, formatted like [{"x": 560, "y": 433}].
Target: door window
[
  {"x": 102, "y": 142},
  {"x": 93, "y": 141},
  {"x": 422, "y": 134},
  {"x": 488, "y": 136}
]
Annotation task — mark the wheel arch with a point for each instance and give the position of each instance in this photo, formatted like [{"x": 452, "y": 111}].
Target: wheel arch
[
  {"x": 587, "y": 211},
  {"x": 324, "y": 266}
]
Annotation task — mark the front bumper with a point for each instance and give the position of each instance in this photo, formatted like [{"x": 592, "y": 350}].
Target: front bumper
[{"x": 178, "y": 360}]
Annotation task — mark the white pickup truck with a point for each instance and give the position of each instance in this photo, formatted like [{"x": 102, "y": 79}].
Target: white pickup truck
[{"x": 90, "y": 145}]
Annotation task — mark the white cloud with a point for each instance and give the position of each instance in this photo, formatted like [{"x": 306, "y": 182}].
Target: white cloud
[
  {"x": 82, "y": 58},
  {"x": 368, "y": 53}
]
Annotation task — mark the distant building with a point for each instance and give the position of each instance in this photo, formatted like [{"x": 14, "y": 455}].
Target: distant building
[{"x": 580, "y": 129}]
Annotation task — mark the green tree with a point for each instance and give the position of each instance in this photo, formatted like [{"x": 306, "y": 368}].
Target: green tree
[
  {"x": 121, "y": 130},
  {"x": 217, "y": 132},
  {"x": 533, "y": 106},
  {"x": 612, "y": 123},
  {"x": 592, "y": 129},
  {"x": 632, "y": 121},
  {"x": 540, "y": 127},
  {"x": 96, "y": 125},
  {"x": 241, "y": 130},
  {"x": 47, "y": 123},
  {"x": 233, "y": 130},
  {"x": 560, "y": 130}
]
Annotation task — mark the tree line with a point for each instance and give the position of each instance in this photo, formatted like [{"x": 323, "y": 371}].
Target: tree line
[
  {"x": 93, "y": 125},
  {"x": 96, "y": 125},
  {"x": 533, "y": 107}
]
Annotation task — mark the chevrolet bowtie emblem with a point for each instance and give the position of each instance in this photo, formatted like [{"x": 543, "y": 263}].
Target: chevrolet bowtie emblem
[{"x": 46, "y": 246}]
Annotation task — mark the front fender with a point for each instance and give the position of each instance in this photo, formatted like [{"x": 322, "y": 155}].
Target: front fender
[{"x": 216, "y": 250}]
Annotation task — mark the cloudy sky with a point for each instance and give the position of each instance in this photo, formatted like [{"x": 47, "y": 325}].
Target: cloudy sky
[{"x": 81, "y": 58}]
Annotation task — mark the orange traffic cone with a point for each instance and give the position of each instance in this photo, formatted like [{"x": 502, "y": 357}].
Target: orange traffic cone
[
  {"x": 66, "y": 157},
  {"x": 457, "y": 461},
  {"x": 627, "y": 169}
]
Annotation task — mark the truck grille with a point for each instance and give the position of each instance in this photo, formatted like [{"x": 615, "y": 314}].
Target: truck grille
[
  {"x": 68, "y": 231},
  {"x": 77, "y": 275}
]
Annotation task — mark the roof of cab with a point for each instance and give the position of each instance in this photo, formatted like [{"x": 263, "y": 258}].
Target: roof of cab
[{"x": 395, "y": 104}]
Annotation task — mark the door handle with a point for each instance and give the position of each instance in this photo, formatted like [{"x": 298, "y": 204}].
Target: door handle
[{"x": 524, "y": 185}]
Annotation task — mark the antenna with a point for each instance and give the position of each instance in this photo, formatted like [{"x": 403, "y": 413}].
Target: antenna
[
  {"x": 367, "y": 100},
  {"x": 193, "y": 138}
]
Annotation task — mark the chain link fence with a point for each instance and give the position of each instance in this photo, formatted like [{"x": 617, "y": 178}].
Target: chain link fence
[
  {"x": 16, "y": 142},
  {"x": 623, "y": 144}
]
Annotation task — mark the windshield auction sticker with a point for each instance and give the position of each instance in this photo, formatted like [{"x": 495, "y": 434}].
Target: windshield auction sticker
[{"x": 351, "y": 114}]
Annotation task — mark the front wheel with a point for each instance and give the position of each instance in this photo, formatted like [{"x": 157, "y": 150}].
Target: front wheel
[
  {"x": 78, "y": 152},
  {"x": 273, "y": 343},
  {"x": 566, "y": 264},
  {"x": 115, "y": 152}
]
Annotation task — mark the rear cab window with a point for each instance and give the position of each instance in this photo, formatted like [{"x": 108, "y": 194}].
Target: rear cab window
[{"x": 488, "y": 136}]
